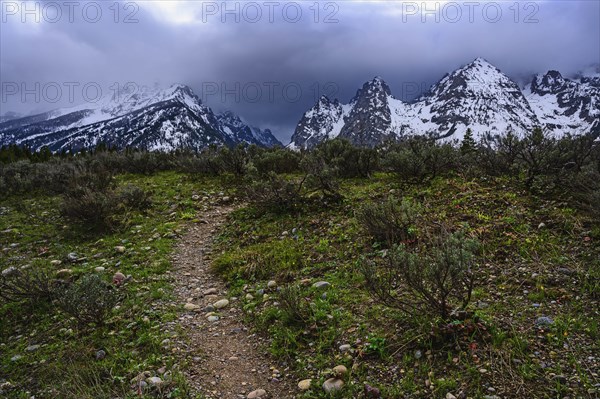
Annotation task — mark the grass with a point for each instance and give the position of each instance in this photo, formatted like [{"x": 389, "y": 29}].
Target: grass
[
  {"x": 540, "y": 257},
  {"x": 526, "y": 241},
  {"x": 133, "y": 338}
]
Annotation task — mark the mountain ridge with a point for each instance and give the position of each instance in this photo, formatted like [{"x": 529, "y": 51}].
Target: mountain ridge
[
  {"x": 153, "y": 119},
  {"x": 477, "y": 95}
]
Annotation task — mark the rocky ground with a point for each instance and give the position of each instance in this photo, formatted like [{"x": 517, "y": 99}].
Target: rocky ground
[{"x": 226, "y": 360}]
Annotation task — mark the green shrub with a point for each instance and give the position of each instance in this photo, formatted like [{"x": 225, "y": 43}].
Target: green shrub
[
  {"x": 497, "y": 156},
  {"x": 418, "y": 158},
  {"x": 144, "y": 162},
  {"x": 345, "y": 159},
  {"x": 205, "y": 163},
  {"x": 235, "y": 160},
  {"x": 321, "y": 177},
  {"x": 133, "y": 197},
  {"x": 389, "y": 222},
  {"x": 26, "y": 284},
  {"x": 294, "y": 305},
  {"x": 276, "y": 160},
  {"x": 434, "y": 279},
  {"x": 274, "y": 193},
  {"x": 95, "y": 208},
  {"x": 88, "y": 300}
]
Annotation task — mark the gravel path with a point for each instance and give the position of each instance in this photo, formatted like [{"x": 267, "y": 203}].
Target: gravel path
[{"x": 225, "y": 360}]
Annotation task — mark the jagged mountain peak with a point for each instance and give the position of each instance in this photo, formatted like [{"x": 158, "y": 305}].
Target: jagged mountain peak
[
  {"x": 477, "y": 75},
  {"x": 566, "y": 105},
  {"x": 481, "y": 62},
  {"x": 373, "y": 88},
  {"x": 178, "y": 90},
  {"x": 324, "y": 102},
  {"x": 550, "y": 82},
  {"x": 478, "y": 69},
  {"x": 377, "y": 81},
  {"x": 477, "y": 95}
]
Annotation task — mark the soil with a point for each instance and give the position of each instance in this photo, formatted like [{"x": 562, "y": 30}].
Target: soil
[{"x": 225, "y": 359}]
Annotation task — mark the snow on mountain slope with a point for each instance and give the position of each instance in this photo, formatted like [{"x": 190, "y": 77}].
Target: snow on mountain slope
[
  {"x": 145, "y": 118},
  {"x": 369, "y": 121},
  {"x": 476, "y": 96},
  {"x": 324, "y": 120},
  {"x": 564, "y": 105}
]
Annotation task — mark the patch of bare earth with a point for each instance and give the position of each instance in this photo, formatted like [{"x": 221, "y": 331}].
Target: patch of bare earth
[{"x": 225, "y": 359}]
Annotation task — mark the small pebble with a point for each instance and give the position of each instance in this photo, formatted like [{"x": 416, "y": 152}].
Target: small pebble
[
  {"x": 321, "y": 284},
  {"x": 345, "y": 348},
  {"x": 101, "y": 354}
]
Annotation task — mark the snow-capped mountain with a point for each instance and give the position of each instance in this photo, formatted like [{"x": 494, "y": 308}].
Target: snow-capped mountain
[
  {"x": 476, "y": 96},
  {"x": 564, "y": 105},
  {"x": 147, "y": 118},
  {"x": 324, "y": 120}
]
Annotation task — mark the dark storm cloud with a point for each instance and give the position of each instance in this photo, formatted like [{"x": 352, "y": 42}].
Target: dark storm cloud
[{"x": 272, "y": 69}]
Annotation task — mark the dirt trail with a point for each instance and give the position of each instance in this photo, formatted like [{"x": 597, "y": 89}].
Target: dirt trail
[{"x": 225, "y": 360}]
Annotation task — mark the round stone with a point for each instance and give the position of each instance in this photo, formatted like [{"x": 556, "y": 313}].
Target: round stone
[
  {"x": 345, "y": 348},
  {"x": 140, "y": 377},
  {"x": 209, "y": 308},
  {"x": 272, "y": 284},
  {"x": 340, "y": 371},
  {"x": 221, "y": 304},
  {"x": 543, "y": 321},
  {"x": 118, "y": 278},
  {"x": 154, "y": 381},
  {"x": 120, "y": 249},
  {"x": 321, "y": 284},
  {"x": 333, "y": 385},
  {"x": 304, "y": 385},
  {"x": 191, "y": 306},
  {"x": 259, "y": 393}
]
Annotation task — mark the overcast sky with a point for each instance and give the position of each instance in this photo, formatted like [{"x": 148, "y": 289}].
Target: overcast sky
[{"x": 269, "y": 61}]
